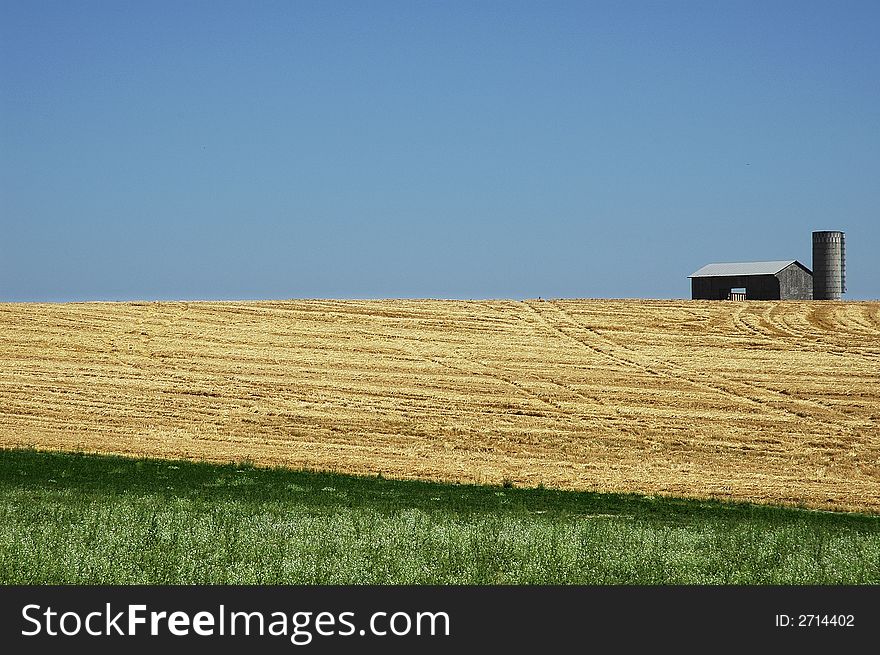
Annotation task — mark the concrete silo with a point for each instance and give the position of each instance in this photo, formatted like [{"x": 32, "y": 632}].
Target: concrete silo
[{"x": 829, "y": 265}]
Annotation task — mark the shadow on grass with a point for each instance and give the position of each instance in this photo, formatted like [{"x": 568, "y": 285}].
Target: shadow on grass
[{"x": 106, "y": 474}]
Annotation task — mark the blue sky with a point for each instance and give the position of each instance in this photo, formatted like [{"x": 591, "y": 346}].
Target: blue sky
[{"x": 237, "y": 150}]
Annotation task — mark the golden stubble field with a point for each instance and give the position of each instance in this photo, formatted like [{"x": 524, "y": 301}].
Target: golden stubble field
[{"x": 761, "y": 401}]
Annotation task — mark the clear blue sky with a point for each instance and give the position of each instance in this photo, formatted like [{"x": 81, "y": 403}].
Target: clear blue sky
[{"x": 232, "y": 150}]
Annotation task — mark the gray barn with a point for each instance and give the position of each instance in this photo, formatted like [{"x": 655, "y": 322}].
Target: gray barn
[{"x": 782, "y": 280}]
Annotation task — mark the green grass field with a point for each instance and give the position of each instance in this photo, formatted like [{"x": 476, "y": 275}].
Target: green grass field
[{"x": 82, "y": 519}]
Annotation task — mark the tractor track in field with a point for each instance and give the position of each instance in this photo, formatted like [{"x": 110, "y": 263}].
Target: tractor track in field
[
  {"x": 739, "y": 391},
  {"x": 819, "y": 336},
  {"x": 778, "y": 328},
  {"x": 743, "y": 326},
  {"x": 524, "y": 386},
  {"x": 749, "y": 401}
]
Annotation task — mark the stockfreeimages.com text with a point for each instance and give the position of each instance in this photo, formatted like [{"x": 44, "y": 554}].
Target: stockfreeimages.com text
[{"x": 301, "y": 627}]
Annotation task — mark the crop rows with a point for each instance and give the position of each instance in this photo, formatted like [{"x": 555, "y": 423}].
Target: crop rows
[{"x": 773, "y": 402}]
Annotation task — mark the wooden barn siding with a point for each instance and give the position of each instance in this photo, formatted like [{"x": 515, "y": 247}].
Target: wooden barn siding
[
  {"x": 758, "y": 287},
  {"x": 795, "y": 283}
]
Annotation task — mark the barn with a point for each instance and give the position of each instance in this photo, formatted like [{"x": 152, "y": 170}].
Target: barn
[{"x": 779, "y": 280}]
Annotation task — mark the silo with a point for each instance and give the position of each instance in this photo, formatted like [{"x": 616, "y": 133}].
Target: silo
[{"x": 829, "y": 265}]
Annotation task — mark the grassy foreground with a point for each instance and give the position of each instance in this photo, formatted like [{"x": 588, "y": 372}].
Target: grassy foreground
[{"x": 71, "y": 518}]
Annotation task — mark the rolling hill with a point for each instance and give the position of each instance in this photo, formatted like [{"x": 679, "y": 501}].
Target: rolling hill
[{"x": 775, "y": 402}]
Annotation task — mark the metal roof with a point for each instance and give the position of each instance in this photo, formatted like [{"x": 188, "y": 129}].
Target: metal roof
[{"x": 743, "y": 268}]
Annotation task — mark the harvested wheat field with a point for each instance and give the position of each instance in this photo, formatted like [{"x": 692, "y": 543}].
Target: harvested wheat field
[{"x": 773, "y": 402}]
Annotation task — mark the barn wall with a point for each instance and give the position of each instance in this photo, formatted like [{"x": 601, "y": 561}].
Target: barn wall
[
  {"x": 795, "y": 283},
  {"x": 758, "y": 287}
]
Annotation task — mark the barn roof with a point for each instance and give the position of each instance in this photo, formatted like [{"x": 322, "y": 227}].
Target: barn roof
[{"x": 745, "y": 268}]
